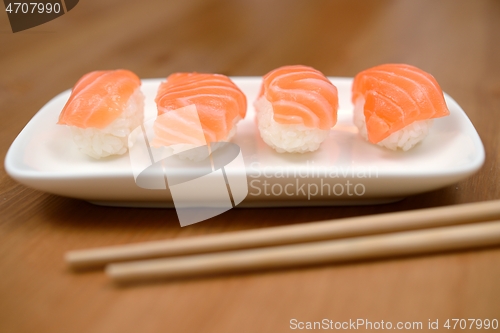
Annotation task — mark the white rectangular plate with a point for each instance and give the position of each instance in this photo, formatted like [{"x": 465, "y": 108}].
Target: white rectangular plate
[{"x": 345, "y": 170}]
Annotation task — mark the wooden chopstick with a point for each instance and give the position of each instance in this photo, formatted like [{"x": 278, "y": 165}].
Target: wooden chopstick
[
  {"x": 368, "y": 247},
  {"x": 306, "y": 232}
]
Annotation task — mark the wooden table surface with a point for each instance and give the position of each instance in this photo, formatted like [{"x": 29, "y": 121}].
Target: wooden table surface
[{"x": 458, "y": 41}]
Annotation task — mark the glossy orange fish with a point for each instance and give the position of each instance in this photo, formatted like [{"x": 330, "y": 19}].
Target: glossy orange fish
[
  {"x": 395, "y": 96},
  {"x": 301, "y": 95},
  {"x": 98, "y": 98},
  {"x": 219, "y": 102}
]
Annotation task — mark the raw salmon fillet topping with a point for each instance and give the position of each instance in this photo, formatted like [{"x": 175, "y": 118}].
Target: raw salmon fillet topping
[
  {"x": 98, "y": 98},
  {"x": 395, "y": 96},
  {"x": 301, "y": 95},
  {"x": 219, "y": 102}
]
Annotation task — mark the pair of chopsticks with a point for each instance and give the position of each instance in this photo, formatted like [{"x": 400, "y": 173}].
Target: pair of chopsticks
[{"x": 368, "y": 237}]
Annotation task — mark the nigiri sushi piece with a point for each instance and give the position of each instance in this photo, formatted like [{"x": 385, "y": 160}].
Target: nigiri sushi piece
[
  {"x": 395, "y": 104},
  {"x": 187, "y": 101},
  {"x": 296, "y": 108},
  {"x": 104, "y": 107}
]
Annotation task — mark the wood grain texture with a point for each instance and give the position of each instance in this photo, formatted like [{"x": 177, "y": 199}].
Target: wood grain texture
[{"x": 458, "y": 41}]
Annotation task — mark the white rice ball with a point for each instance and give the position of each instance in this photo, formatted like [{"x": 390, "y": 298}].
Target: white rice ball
[
  {"x": 286, "y": 138},
  {"x": 113, "y": 139},
  {"x": 405, "y": 139}
]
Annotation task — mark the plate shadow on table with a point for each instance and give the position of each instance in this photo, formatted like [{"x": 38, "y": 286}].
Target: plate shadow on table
[{"x": 92, "y": 216}]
